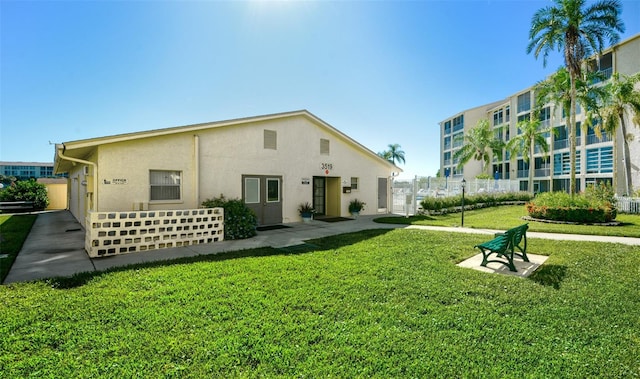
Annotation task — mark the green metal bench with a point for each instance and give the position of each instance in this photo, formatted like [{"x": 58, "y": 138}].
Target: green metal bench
[{"x": 505, "y": 245}]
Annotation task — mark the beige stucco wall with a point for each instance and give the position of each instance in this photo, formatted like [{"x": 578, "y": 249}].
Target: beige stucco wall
[
  {"x": 57, "y": 196},
  {"x": 627, "y": 56},
  {"x": 212, "y": 162},
  {"x": 56, "y": 192}
]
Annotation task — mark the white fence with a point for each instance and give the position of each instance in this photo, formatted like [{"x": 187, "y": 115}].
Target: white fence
[
  {"x": 111, "y": 233},
  {"x": 628, "y": 204},
  {"x": 407, "y": 194}
]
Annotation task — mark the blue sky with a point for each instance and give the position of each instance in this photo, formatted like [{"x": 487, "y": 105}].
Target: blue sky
[{"x": 382, "y": 72}]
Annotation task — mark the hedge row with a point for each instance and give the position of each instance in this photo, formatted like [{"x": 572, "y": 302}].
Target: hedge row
[{"x": 444, "y": 204}]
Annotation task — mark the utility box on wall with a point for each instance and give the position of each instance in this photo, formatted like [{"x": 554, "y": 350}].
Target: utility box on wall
[{"x": 346, "y": 189}]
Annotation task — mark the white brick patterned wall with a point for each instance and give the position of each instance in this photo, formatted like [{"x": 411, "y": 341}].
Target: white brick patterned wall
[{"x": 111, "y": 233}]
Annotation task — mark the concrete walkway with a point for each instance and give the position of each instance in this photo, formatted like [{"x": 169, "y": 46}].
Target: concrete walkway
[{"x": 55, "y": 245}]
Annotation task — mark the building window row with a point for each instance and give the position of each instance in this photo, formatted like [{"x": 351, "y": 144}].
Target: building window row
[
  {"x": 562, "y": 163},
  {"x": 600, "y": 160}
]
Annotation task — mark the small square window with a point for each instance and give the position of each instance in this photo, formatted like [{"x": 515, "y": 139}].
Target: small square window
[{"x": 354, "y": 183}]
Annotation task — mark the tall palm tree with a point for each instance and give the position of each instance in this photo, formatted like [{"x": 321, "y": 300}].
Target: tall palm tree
[
  {"x": 396, "y": 153},
  {"x": 556, "y": 90},
  {"x": 578, "y": 30},
  {"x": 479, "y": 144},
  {"x": 623, "y": 96},
  {"x": 525, "y": 143}
]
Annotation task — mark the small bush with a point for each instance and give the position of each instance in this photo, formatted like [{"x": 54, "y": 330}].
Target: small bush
[
  {"x": 240, "y": 222},
  {"x": 356, "y": 205},
  {"x": 602, "y": 192},
  {"x": 26, "y": 190},
  {"x": 560, "y": 206}
]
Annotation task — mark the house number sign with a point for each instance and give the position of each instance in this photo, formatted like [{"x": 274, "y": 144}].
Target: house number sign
[{"x": 326, "y": 167}]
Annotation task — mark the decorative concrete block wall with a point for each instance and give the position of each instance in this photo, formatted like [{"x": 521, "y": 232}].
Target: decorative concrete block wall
[{"x": 111, "y": 233}]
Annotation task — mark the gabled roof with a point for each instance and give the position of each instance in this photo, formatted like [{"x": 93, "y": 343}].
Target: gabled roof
[{"x": 81, "y": 148}]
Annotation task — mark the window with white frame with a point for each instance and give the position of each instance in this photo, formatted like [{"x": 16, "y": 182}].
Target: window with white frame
[
  {"x": 164, "y": 185},
  {"x": 354, "y": 183}
]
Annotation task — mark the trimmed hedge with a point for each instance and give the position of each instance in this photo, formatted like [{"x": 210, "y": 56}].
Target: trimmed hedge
[
  {"x": 560, "y": 206},
  {"x": 447, "y": 204}
]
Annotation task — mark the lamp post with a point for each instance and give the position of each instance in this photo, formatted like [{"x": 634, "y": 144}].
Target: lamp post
[{"x": 463, "y": 185}]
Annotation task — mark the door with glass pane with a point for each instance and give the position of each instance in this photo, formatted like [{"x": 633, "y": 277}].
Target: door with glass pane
[
  {"x": 319, "y": 195},
  {"x": 263, "y": 194}
]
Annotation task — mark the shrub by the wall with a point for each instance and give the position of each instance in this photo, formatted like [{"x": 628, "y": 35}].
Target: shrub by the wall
[
  {"x": 240, "y": 222},
  {"x": 26, "y": 190}
]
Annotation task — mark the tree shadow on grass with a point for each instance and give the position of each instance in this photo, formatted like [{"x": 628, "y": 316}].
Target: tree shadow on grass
[
  {"x": 331, "y": 242},
  {"x": 549, "y": 275}
]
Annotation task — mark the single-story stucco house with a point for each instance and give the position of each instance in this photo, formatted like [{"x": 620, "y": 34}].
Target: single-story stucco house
[{"x": 273, "y": 162}]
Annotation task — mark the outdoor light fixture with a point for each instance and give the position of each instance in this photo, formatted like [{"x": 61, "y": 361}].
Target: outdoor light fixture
[{"x": 464, "y": 182}]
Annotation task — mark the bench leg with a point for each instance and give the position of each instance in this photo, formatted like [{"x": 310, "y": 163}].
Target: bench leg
[
  {"x": 485, "y": 257},
  {"x": 509, "y": 257},
  {"x": 512, "y": 267}
]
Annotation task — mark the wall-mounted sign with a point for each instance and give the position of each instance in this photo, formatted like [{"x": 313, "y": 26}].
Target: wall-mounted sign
[
  {"x": 306, "y": 181},
  {"x": 115, "y": 181}
]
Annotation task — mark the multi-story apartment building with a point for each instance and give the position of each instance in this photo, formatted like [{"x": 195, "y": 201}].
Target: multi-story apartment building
[
  {"x": 595, "y": 158},
  {"x": 27, "y": 170}
]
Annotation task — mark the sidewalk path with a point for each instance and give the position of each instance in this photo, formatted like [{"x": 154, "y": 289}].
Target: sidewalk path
[
  {"x": 549, "y": 236},
  {"x": 55, "y": 245}
]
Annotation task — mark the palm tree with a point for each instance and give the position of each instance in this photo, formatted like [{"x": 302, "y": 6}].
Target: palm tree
[
  {"x": 396, "y": 153},
  {"x": 386, "y": 155},
  {"x": 556, "y": 90},
  {"x": 525, "y": 143},
  {"x": 578, "y": 30},
  {"x": 480, "y": 143},
  {"x": 393, "y": 154},
  {"x": 623, "y": 96}
]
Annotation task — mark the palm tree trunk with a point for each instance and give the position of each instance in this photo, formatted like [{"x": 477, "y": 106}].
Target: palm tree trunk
[
  {"x": 625, "y": 155},
  {"x": 572, "y": 137},
  {"x": 532, "y": 164}
]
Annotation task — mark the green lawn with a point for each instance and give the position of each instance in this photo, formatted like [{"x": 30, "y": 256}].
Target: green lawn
[
  {"x": 369, "y": 304},
  {"x": 505, "y": 217},
  {"x": 13, "y": 231}
]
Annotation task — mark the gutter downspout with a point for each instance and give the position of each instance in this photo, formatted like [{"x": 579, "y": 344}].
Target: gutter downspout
[
  {"x": 95, "y": 173},
  {"x": 196, "y": 169}
]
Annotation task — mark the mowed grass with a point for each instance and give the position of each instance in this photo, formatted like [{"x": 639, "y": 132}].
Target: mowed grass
[
  {"x": 368, "y": 304},
  {"x": 13, "y": 231},
  {"x": 509, "y": 216}
]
